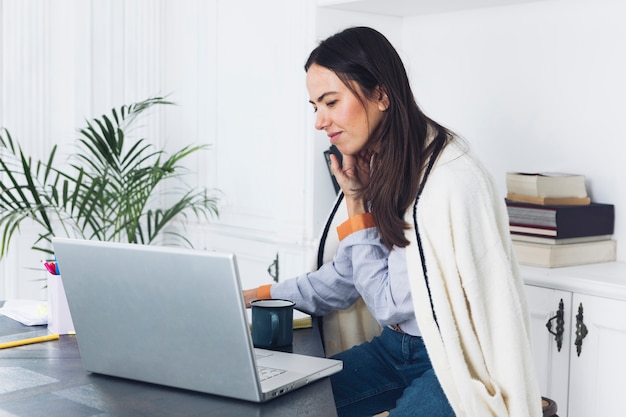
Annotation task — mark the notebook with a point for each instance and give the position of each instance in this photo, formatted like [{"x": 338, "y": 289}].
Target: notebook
[{"x": 174, "y": 317}]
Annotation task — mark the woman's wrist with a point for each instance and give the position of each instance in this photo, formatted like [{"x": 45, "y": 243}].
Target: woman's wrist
[
  {"x": 354, "y": 224},
  {"x": 262, "y": 292},
  {"x": 249, "y": 295},
  {"x": 355, "y": 206}
]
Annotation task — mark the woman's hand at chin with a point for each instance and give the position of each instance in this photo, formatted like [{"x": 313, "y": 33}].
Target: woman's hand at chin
[{"x": 353, "y": 176}]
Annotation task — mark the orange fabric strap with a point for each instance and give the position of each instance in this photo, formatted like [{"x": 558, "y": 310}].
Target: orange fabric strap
[
  {"x": 354, "y": 224},
  {"x": 264, "y": 292}
]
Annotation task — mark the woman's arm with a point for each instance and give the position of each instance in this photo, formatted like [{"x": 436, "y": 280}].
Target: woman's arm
[{"x": 329, "y": 288}]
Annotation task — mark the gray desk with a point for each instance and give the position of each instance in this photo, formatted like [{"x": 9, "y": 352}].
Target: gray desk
[{"x": 47, "y": 379}]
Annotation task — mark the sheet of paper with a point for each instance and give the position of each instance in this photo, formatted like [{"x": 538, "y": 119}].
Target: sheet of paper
[{"x": 27, "y": 312}]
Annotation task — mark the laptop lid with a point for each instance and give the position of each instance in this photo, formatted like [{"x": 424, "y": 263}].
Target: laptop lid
[{"x": 169, "y": 316}]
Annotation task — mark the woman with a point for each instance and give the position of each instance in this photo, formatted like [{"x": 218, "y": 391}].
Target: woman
[{"x": 426, "y": 246}]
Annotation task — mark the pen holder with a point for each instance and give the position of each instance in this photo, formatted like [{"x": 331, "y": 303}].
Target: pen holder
[{"x": 59, "y": 318}]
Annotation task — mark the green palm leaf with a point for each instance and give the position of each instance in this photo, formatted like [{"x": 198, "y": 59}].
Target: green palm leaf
[{"x": 109, "y": 191}]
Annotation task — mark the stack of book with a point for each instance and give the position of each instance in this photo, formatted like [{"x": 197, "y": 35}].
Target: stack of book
[{"x": 554, "y": 223}]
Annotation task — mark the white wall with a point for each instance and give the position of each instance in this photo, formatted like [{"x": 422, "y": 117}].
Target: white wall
[
  {"x": 235, "y": 70},
  {"x": 533, "y": 87},
  {"x": 537, "y": 86},
  {"x": 64, "y": 62}
]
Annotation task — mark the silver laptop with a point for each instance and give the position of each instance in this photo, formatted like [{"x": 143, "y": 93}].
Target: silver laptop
[{"x": 174, "y": 317}]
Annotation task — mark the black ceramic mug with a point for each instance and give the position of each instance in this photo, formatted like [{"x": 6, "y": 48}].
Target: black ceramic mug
[{"x": 272, "y": 323}]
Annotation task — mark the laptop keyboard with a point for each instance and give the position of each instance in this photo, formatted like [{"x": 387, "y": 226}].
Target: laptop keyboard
[{"x": 267, "y": 373}]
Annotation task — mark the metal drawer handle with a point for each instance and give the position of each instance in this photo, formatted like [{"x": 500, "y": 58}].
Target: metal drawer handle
[
  {"x": 581, "y": 330},
  {"x": 273, "y": 269},
  {"x": 560, "y": 326}
]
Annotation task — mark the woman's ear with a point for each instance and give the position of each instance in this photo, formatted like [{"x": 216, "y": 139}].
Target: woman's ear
[{"x": 383, "y": 99}]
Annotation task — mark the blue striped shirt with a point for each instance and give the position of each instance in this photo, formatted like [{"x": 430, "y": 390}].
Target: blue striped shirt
[{"x": 362, "y": 267}]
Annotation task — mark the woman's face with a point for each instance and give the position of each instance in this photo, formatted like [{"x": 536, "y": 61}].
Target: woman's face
[{"x": 347, "y": 120}]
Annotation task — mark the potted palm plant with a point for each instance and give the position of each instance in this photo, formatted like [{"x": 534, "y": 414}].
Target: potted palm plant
[{"x": 112, "y": 189}]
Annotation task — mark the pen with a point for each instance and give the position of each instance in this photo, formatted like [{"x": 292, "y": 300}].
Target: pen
[
  {"x": 29, "y": 341},
  {"x": 52, "y": 267}
]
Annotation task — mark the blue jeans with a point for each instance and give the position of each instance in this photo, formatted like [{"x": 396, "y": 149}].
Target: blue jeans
[{"x": 392, "y": 372}]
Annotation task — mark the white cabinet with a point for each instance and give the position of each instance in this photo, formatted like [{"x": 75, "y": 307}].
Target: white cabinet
[
  {"x": 551, "y": 360},
  {"x": 584, "y": 376},
  {"x": 596, "y": 376}
]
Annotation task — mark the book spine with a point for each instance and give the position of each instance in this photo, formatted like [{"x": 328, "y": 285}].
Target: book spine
[
  {"x": 554, "y": 241},
  {"x": 551, "y": 256},
  {"x": 544, "y": 185},
  {"x": 532, "y": 230},
  {"x": 567, "y": 221},
  {"x": 532, "y": 216},
  {"x": 549, "y": 201}
]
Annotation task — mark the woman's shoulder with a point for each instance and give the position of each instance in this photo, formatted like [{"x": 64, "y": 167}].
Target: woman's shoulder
[
  {"x": 459, "y": 172},
  {"x": 458, "y": 160}
]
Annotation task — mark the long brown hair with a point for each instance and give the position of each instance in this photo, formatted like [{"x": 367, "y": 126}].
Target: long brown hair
[{"x": 402, "y": 139}]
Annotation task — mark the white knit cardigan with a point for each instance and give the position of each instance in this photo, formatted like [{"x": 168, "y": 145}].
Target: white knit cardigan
[
  {"x": 469, "y": 301},
  {"x": 470, "y": 306}
]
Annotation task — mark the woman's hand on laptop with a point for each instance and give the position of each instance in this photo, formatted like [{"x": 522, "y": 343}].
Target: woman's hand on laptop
[{"x": 249, "y": 295}]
